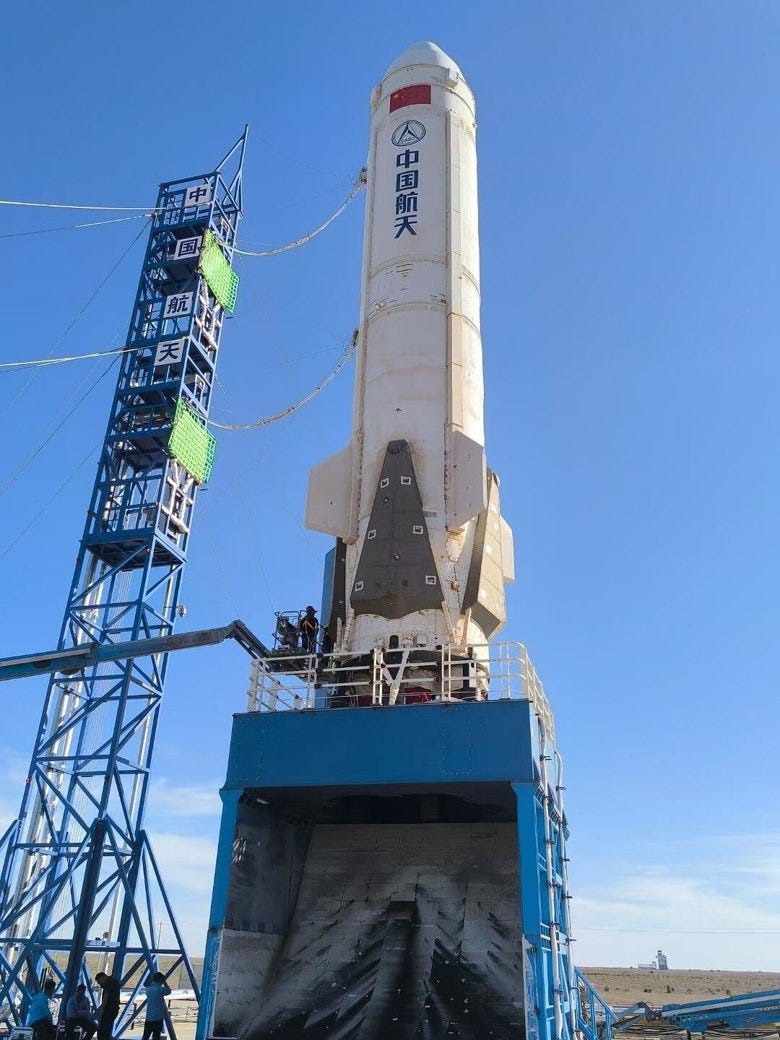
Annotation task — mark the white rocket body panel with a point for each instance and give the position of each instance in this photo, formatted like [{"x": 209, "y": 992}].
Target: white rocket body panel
[
  {"x": 419, "y": 373},
  {"x": 422, "y": 354}
]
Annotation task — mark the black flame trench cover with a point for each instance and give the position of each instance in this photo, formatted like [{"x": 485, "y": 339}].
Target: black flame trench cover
[{"x": 396, "y": 573}]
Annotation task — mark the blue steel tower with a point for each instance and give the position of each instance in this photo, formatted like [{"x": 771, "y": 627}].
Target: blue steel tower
[{"x": 77, "y": 862}]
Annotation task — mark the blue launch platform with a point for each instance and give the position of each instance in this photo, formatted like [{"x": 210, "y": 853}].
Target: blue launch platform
[{"x": 392, "y": 871}]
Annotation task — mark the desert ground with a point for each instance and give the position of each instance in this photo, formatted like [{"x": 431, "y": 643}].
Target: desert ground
[{"x": 622, "y": 986}]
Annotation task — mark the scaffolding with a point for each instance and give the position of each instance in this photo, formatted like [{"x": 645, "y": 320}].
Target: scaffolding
[{"x": 77, "y": 863}]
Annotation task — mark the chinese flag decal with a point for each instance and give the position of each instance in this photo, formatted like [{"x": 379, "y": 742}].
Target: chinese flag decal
[{"x": 420, "y": 94}]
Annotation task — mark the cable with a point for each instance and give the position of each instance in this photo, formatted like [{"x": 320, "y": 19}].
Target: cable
[
  {"x": 49, "y": 501},
  {"x": 41, "y": 362},
  {"x": 248, "y": 516},
  {"x": 225, "y": 586},
  {"x": 345, "y": 357},
  {"x": 66, "y": 205},
  {"x": 74, "y": 227},
  {"x": 36, "y": 452},
  {"x": 147, "y": 211},
  {"x": 275, "y": 250},
  {"x": 44, "y": 362},
  {"x": 305, "y": 357},
  {"x": 91, "y": 299},
  {"x": 307, "y": 198},
  {"x": 272, "y": 145}
]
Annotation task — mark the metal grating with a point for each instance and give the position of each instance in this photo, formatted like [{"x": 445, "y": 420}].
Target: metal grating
[
  {"x": 191, "y": 443},
  {"x": 220, "y": 276}
]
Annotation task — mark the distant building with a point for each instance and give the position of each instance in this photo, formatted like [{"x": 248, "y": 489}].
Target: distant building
[{"x": 659, "y": 964}]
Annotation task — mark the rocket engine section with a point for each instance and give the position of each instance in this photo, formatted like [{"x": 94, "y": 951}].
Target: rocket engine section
[{"x": 411, "y": 498}]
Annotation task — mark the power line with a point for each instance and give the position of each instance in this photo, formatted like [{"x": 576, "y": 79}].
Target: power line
[
  {"x": 49, "y": 501},
  {"x": 305, "y": 357},
  {"x": 273, "y": 146},
  {"x": 91, "y": 299},
  {"x": 358, "y": 184},
  {"x": 146, "y": 210},
  {"x": 67, "y": 205},
  {"x": 45, "y": 362},
  {"x": 42, "y": 362},
  {"x": 36, "y": 452},
  {"x": 74, "y": 227},
  {"x": 306, "y": 198},
  {"x": 345, "y": 357}
]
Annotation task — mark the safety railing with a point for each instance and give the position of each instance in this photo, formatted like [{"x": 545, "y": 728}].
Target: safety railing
[
  {"x": 296, "y": 681},
  {"x": 595, "y": 1016}
]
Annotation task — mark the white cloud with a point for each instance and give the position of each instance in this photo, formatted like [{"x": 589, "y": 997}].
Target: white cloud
[
  {"x": 187, "y": 867},
  {"x": 185, "y": 862},
  {"x": 722, "y": 912},
  {"x": 184, "y": 799}
]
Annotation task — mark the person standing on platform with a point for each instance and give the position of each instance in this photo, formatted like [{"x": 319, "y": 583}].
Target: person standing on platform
[
  {"x": 157, "y": 989},
  {"x": 39, "y": 1015},
  {"x": 308, "y": 627},
  {"x": 109, "y": 1005}
]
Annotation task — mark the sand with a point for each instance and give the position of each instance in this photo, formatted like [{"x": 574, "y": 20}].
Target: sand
[{"x": 622, "y": 986}]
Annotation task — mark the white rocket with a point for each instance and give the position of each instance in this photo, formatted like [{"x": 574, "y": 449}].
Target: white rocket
[{"x": 423, "y": 552}]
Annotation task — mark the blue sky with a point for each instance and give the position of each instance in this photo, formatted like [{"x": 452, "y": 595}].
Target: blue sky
[{"x": 629, "y": 162}]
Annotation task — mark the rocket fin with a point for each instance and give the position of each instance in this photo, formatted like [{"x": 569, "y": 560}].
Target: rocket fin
[
  {"x": 466, "y": 479},
  {"x": 396, "y": 573},
  {"x": 484, "y": 593},
  {"x": 329, "y": 502}
]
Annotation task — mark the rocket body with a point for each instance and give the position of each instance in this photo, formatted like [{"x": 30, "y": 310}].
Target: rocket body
[{"x": 424, "y": 551}]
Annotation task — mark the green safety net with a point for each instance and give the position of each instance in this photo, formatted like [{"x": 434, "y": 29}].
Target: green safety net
[
  {"x": 191, "y": 443},
  {"x": 220, "y": 276}
]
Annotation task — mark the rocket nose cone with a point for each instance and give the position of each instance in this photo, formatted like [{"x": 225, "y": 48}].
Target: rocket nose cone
[{"x": 424, "y": 53}]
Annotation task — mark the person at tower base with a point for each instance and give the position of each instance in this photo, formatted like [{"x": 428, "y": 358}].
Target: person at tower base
[
  {"x": 157, "y": 989},
  {"x": 308, "y": 627},
  {"x": 109, "y": 1005},
  {"x": 78, "y": 1015},
  {"x": 39, "y": 1015}
]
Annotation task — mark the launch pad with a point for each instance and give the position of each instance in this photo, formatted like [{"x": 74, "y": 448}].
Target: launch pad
[
  {"x": 392, "y": 857},
  {"x": 383, "y": 871},
  {"x": 391, "y": 862}
]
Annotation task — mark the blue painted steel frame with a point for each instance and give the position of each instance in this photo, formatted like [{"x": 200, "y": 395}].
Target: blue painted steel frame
[
  {"x": 77, "y": 860},
  {"x": 430, "y": 744},
  {"x": 426, "y": 743},
  {"x": 739, "y": 1011},
  {"x": 595, "y": 1016}
]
